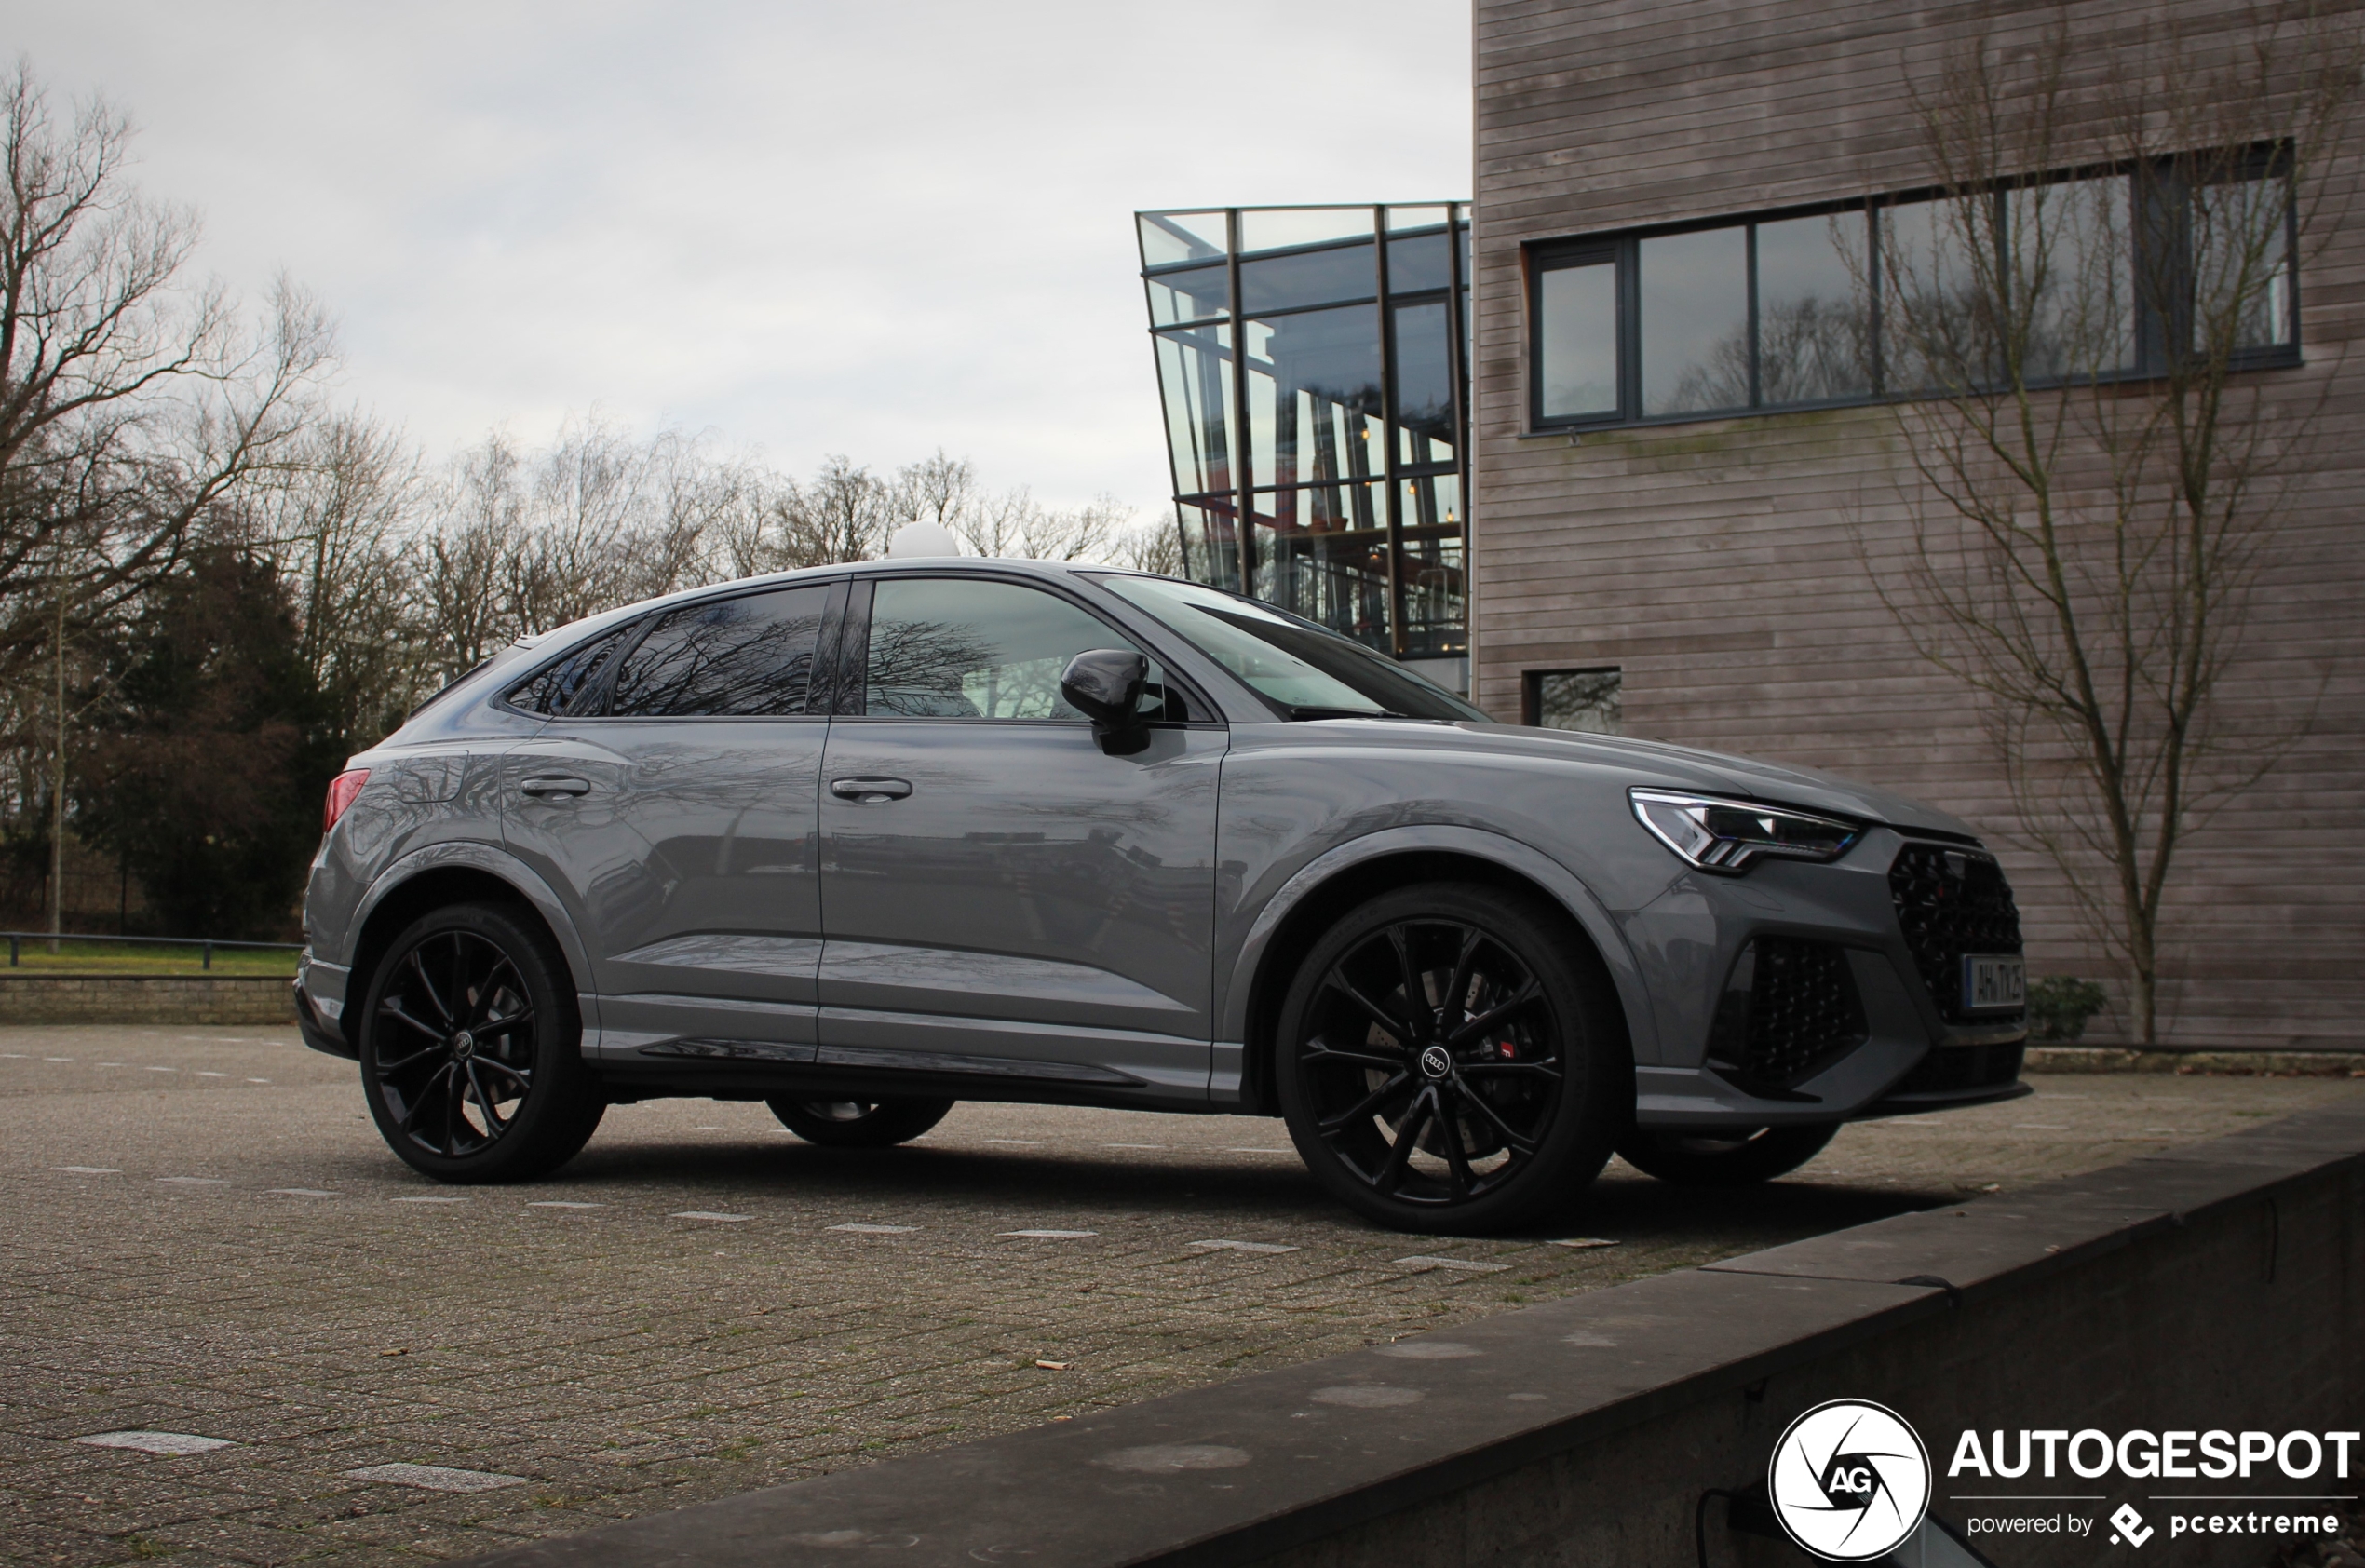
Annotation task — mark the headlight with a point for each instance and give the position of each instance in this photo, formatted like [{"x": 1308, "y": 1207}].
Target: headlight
[{"x": 1726, "y": 835}]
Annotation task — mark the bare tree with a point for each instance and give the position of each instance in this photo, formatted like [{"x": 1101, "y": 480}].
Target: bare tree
[
  {"x": 336, "y": 522},
  {"x": 1016, "y": 526},
  {"x": 2099, "y": 479},
  {"x": 1155, "y": 545},
  {"x": 843, "y": 513},
  {"x": 131, "y": 403},
  {"x": 939, "y": 490}
]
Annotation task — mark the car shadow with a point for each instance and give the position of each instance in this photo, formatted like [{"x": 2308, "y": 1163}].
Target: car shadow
[{"x": 1620, "y": 1205}]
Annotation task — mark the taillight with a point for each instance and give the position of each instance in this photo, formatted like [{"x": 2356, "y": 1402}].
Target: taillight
[{"x": 342, "y": 789}]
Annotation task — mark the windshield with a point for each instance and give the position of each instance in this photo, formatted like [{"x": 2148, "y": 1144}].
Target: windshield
[{"x": 1307, "y": 671}]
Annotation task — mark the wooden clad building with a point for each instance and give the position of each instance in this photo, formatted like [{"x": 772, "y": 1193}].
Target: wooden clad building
[{"x": 1706, "y": 565}]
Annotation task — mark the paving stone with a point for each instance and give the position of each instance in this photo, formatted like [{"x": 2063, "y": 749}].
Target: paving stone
[
  {"x": 436, "y": 1478},
  {"x": 155, "y": 1442},
  {"x": 642, "y": 1363}
]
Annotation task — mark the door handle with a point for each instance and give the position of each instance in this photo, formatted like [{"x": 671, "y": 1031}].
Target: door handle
[
  {"x": 870, "y": 791},
  {"x": 538, "y": 788}
]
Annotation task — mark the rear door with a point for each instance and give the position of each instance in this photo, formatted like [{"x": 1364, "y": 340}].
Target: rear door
[
  {"x": 1002, "y": 897},
  {"x": 675, "y": 808}
]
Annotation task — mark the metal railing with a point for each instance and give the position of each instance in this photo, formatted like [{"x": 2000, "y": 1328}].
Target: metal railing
[{"x": 18, "y": 938}]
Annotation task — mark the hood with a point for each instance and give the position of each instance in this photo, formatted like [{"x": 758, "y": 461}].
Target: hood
[{"x": 1656, "y": 762}]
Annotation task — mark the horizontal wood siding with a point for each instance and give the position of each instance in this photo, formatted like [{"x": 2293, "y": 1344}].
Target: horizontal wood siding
[{"x": 1729, "y": 566}]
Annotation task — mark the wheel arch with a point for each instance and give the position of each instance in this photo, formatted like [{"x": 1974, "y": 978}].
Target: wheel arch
[
  {"x": 449, "y": 874},
  {"x": 1294, "y": 918}
]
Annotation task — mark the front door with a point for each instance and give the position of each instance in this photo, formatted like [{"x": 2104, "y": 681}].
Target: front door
[
  {"x": 677, "y": 814},
  {"x": 1002, "y": 897}
]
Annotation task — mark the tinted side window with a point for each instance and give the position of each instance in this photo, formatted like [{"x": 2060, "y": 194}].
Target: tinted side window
[
  {"x": 554, "y": 686},
  {"x": 950, "y": 649},
  {"x": 749, "y": 656}
]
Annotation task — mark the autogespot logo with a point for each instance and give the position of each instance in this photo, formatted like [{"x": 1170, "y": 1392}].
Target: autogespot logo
[{"x": 1850, "y": 1480}]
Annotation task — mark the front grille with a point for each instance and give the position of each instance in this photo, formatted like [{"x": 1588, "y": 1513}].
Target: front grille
[
  {"x": 1953, "y": 1068},
  {"x": 1789, "y": 1010},
  {"x": 1949, "y": 902}
]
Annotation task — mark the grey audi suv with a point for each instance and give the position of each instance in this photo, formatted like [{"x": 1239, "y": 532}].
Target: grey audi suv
[{"x": 863, "y": 840}]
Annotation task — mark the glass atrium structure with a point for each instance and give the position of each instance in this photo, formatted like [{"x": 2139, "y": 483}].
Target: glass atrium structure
[{"x": 1353, "y": 396}]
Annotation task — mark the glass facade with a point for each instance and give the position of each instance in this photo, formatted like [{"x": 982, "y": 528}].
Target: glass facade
[{"x": 1314, "y": 363}]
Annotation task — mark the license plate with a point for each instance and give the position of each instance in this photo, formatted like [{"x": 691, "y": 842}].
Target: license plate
[{"x": 1993, "y": 983}]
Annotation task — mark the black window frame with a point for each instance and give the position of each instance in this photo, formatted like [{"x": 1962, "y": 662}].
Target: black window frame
[{"x": 2168, "y": 177}]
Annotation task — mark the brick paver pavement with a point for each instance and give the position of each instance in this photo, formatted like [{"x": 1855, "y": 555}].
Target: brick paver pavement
[{"x": 204, "y": 1236}]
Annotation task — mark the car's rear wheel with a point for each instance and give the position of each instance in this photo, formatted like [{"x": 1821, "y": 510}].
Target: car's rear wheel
[
  {"x": 471, "y": 1048},
  {"x": 1722, "y": 1158},
  {"x": 857, "y": 1124},
  {"x": 1448, "y": 1063}
]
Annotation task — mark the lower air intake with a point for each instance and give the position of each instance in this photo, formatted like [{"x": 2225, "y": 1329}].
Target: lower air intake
[{"x": 1789, "y": 1010}]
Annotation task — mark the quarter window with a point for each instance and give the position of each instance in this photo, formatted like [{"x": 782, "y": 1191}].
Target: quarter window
[
  {"x": 551, "y": 688},
  {"x": 745, "y": 657}
]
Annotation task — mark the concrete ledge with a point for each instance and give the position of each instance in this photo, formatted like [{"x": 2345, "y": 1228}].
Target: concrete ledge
[
  {"x": 2215, "y": 1286},
  {"x": 2237, "y": 1061},
  {"x": 50, "y": 997}
]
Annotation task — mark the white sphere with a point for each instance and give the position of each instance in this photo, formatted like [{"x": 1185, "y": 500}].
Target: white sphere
[{"x": 922, "y": 539}]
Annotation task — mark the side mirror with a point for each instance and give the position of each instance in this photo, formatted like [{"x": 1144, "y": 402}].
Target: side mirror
[{"x": 1104, "y": 685}]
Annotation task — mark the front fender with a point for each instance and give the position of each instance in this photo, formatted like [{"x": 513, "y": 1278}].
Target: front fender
[{"x": 1555, "y": 879}]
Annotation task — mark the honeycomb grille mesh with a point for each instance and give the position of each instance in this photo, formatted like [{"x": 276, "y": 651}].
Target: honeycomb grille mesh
[
  {"x": 1791, "y": 1010},
  {"x": 1950, "y": 902}
]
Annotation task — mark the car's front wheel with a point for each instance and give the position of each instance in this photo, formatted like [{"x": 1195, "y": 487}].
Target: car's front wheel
[
  {"x": 857, "y": 1124},
  {"x": 1723, "y": 1158},
  {"x": 471, "y": 1051},
  {"x": 1448, "y": 1062}
]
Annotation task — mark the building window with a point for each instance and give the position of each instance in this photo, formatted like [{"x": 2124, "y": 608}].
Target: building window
[
  {"x": 1897, "y": 298},
  {"x": 1590, "y": 700}
]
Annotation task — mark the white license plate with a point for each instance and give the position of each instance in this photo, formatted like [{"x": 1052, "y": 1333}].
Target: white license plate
[{"x": 1993, "y": 983}]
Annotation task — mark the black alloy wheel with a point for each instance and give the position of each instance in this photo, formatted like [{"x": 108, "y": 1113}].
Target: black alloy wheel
[
  {"x": 1449, "y": 1062},
  {"x": 1724, "y": 1157},
  {"x": 470, "y": 1049},
  {"x": 857, "y": 1124}
]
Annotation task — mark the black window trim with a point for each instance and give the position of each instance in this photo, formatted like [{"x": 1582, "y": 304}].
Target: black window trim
[{"x": 2265, "y": 160}]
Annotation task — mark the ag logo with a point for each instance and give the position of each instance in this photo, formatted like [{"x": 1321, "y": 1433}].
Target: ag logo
[{"x": 1849, "y": 1479}]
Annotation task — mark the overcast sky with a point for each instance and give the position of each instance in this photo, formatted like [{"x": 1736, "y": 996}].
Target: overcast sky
[{"x": 874, "y": 226}]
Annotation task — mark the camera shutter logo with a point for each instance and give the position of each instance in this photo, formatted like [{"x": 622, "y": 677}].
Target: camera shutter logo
[{"x": 1849, "y": 1480}]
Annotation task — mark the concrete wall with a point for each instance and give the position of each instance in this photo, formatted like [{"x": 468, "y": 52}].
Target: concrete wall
[
  {"x": 2237, "y": 1310},
  {"x": 1717, "y": 561},
  {"x": 45, "y": 998},
  {"x": 2218, "y": 1286}
]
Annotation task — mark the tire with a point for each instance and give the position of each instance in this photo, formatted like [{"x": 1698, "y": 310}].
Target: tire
[
  {"x": 857, "y": 1124},
  {"x": 471, "y": 1048},
  {"x": 1722, "y": 1160},
  {"x": 1463, "y": 1127}
]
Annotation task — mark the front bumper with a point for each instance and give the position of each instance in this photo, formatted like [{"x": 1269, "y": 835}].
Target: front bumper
[{"x": 1907, "y": 1055}]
